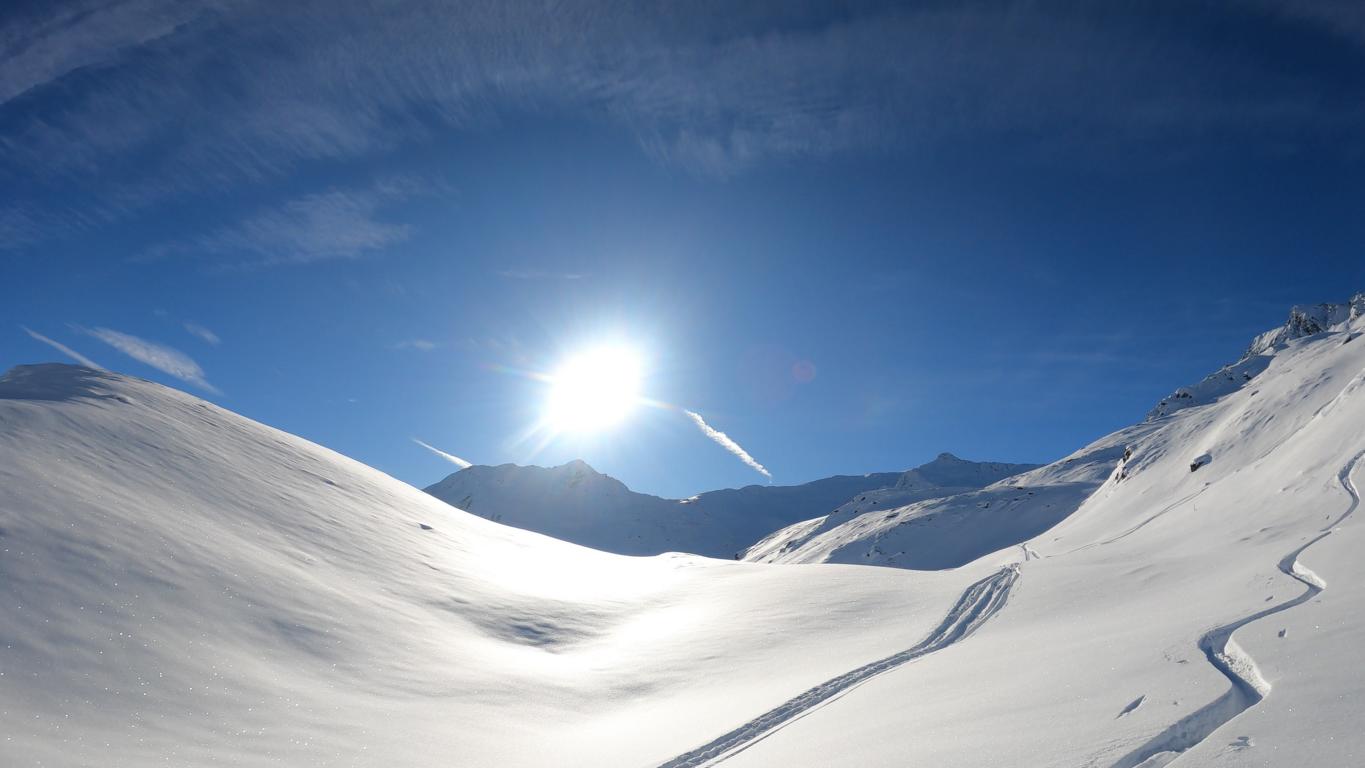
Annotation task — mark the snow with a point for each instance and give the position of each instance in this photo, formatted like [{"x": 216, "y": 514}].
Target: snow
[
  {"x": 1307, "y": 321},
  {"x": 1176, "y": 587},
  {"x": 923, "y": 526},
  {"x": 1304, "y": 321},
  {"x": 574, "y": 502},
  {"x": 181, "y": 585}
]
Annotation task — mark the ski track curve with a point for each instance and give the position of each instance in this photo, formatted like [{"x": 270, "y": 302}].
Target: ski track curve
[
  {"x": 1248, "y": 687},
  {"x": 981, "y": 601}
]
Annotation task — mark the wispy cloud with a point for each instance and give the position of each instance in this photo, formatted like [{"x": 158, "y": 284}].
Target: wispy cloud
[
  {"x": 710, "y": 88},
  {"x": 81, "y": 34},
  {"x": 64, "y": 349},
  {"x": 450, "y": 457},
  {"x": 421, "y": 345},
  {"x": 169, "y": 361},
  {"x": 18, "y": 228},
  {"x": 718, "y": 90},
  {"x": 204, "y": 334},
  {"x": 728, "y": 444},
  {"x": 336, "y": 224},
  {"x": 537, "y": 274}
]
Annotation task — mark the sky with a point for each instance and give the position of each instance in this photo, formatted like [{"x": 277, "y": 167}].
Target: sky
[{"x": 849, "y": 236}]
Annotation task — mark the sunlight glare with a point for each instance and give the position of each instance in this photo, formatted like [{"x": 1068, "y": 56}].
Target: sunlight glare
[{"x": 594, "y": 390}]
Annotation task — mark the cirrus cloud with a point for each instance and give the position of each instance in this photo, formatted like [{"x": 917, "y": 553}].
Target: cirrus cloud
[
  {"x": 168, "y": 360},
  {"x": 335, "y": 224},
  {"x": 710, "y": 87}
]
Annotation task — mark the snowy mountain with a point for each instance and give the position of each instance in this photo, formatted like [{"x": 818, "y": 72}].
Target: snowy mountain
[
  {"x": 575, "y": 503},
  {"x": 949, "y": 530},
  {"x": 1199, "y": 608},
  {"x": 1303, "y": 321},
  {"x": 922, "y": 526},
  {"x": 1307, "y": 321},
  {"x": 181, "y": 585},
  {"x": 572, "y": 502}
]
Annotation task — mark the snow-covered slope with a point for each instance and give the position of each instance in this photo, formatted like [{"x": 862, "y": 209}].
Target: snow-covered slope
[
  {"x": 575, "y": 503},
  {"x": 907, "y": 528},
  {"x": 948, "y": 530},
  {"x": 1203, "y": 607},
  {"x": 179, "y": 585}
]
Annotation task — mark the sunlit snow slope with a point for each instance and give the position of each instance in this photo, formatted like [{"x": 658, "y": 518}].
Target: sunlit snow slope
[
  {"x": 947, "y": 530},
  {"x": 179, "y": 585},
  {"x": 182, "y": 586},
  {"x": 904, "y": 527},
  {"x": 1204, "y": 606}
]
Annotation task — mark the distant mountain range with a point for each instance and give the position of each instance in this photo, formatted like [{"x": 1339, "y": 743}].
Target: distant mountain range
[
  {"x": 940, "y": 515},
  {"x": 576, "y": 503}
]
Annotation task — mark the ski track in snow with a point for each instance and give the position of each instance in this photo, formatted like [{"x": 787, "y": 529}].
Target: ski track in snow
[
  {"x": 974, "y": 608},
  {"x": 1168, "y": 508},
  {"x": 1221, "y": 650}
]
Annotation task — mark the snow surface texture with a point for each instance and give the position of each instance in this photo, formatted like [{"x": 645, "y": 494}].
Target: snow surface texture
[
  {"x": 179, "y": 585},
  {"x": 575, "y": 503}
]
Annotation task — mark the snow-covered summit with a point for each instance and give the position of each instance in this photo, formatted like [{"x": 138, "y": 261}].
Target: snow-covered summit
[
  {"x": 1307, "y": 321},
  {"x": 572, "y": 482},
  {"x": 949, "y": 471},
  {"x": 921, "y": 524},
  {"x": 57, "y": 381},
  {"x": 944, "y": 477},
  {"x": 1303, "y": 322}
]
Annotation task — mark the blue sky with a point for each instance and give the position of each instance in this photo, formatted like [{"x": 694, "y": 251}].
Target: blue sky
[{"x": 851, "y": 236}]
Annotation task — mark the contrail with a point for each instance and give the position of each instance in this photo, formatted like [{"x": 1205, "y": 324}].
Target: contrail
[
  {"x": 727, "y": 443},
  {"x": 450, "y": 457}
]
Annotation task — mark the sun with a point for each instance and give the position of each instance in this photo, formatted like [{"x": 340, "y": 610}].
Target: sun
[{"x": 594, "y": 390}]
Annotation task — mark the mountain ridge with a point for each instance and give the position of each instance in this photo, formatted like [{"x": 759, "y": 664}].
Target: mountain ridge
[
  {"x": 947, "y": 531},
  {"x": 575, "y": 502}
]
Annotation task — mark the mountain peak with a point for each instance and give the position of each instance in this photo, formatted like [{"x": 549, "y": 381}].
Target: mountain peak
[
  {"x": 949, "y": 470},
  {"x": 63, "y": 382},
  {"x": 1304, "y": 321},
  {"x": 1307, "y": 320}
]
